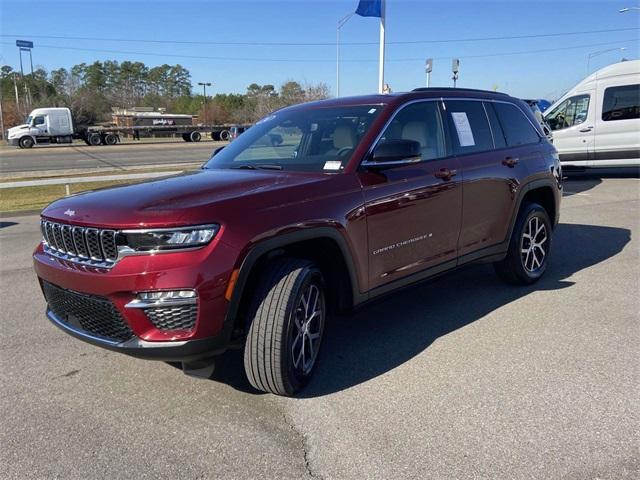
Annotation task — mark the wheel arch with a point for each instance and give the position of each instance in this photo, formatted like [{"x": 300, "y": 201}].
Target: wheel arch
[
  {"x": 542, "y": 191},
  {"x": 323, "y": 245}
]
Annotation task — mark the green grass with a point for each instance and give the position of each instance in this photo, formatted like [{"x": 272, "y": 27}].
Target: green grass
[{"x": 33, "y": 198}]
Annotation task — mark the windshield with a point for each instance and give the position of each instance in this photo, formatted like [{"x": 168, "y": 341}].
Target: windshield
[
  {"x": 28, "y": 120},
  {"x": 304, "y": 140}
]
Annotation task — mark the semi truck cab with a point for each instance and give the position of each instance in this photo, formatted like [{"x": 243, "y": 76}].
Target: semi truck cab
[{"x": 43, "y": 125}]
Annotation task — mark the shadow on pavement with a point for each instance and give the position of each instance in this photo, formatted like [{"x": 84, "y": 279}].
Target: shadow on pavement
[
  {"x": 7, "y": 224},
  {"x": 391, "y": 331},
  {"x": 574, "y": 185}
]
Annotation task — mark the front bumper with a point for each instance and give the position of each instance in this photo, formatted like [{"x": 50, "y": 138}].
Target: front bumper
[
  {"x": 203, "y": 270},
  {"x": 177, "y": 351},
  {"x": 14, "y": 142}
]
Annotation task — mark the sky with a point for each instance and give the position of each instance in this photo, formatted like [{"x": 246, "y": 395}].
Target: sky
[{"x": 542, "y": 67}]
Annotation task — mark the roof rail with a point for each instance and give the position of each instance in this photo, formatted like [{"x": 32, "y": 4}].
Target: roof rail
[{"x": 433, "y": 89}]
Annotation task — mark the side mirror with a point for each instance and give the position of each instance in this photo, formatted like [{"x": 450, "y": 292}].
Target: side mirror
[
  {"x": 391, "y": 153},
  {"x": 217, "y": 151}
]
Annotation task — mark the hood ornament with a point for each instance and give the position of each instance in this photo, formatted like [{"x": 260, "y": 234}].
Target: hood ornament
[{"x": 70, "y": 212}]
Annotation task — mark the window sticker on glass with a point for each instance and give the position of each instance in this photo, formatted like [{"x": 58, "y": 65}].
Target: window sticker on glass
[
  {"x": 332, "y": 165},
  {"x": 465, "y": 135}
]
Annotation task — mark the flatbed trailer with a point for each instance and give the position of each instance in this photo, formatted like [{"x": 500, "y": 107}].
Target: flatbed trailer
[{"x": 46, "y": 126}]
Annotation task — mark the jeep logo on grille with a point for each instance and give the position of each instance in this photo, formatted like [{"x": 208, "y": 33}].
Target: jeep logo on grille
[{"x": 70, "y": 212}]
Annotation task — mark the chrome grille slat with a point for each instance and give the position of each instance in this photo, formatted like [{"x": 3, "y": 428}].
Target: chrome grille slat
[
  {"x": 108, "y": 243},
  {"x": 57, "y": 237},
  {"x": 65, "y": 231},
  {"x": 78, "y": 240},
  {"x": 93, "y": 243},
  {"x": 91, "y": 246}
]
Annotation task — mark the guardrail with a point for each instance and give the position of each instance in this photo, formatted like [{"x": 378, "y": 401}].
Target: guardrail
[{"x": 66, "y": 181}]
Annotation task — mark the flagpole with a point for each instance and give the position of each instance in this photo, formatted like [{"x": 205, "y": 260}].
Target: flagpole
[{"x": 381, "y": 66}]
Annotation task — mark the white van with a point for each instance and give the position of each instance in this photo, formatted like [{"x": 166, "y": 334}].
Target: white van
[{"x": 597, "y": 123}]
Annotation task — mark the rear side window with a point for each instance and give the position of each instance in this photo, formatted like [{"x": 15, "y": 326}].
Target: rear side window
[
  {"x": 621, "y": 103},
  {"x": 469, "y": 127},
  {"x": 518, "y": 130}
]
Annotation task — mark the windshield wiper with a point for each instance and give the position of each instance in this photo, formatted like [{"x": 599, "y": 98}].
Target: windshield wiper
[{"x": 262, "y": 166}]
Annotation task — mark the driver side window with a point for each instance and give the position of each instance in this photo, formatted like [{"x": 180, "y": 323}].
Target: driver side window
[
  {"x": 419, "y": 122},
  {"x": 573, "y": 111},
  {"x": 38, "y": 121}
]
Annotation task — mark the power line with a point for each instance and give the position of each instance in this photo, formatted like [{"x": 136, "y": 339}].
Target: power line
[
  {"x": 323, "y": 44},
  {"x": 307, "y": 60}
]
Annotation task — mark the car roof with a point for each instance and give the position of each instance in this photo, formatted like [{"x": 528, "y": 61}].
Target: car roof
[{"x": 402, "y": 97}]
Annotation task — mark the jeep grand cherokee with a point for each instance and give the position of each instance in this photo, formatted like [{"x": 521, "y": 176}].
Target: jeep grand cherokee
[{"x": 361, "y": 196}]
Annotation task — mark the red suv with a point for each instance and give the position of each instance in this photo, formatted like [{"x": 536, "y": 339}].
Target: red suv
[{"x": 362, "y": 196}]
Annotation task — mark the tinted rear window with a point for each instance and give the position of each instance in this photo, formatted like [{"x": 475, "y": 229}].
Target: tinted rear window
[
  {"x": 469, "y": 126},
  {"x": 621, "y": 103},
  {"x": 517, "y": 128}
]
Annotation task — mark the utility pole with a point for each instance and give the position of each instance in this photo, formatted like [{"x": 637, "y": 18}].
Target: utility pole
[
  {"x": 428, "y": 68},
  {"x": 15, "y": 87},
  {"x": 455, "y": 68},
  {"x": 341, "y": 23},
  {"x": 204, "y": 90},
  {"x": 1, "y": 117}
]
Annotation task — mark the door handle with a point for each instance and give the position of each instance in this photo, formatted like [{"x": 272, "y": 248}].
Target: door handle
[
  {"x": 510, "y": 162},
  {"x": 586, "y": 129},
  {"x": 445, "y": 174}
]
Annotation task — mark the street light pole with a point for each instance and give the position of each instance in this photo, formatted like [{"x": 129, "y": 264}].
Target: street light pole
[
  {"x": 600, "y": 52},
  {"x": 204, "y": 91},
  {"x": 341, "y": 23}
]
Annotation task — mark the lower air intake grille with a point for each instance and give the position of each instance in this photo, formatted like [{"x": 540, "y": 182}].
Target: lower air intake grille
[
  {"x": 179, "y": 317},
  {"x": 93, "y": 314}
]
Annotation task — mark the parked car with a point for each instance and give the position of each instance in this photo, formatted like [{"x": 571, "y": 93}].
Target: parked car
[
  {"x": 364, "y": 196},
  {"x": 597, "y": 123},
  {"x": 537, "y": 112}
]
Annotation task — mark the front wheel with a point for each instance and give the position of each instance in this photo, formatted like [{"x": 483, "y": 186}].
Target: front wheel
[
  {"x": 26, "y": 142},
  {"x": 287, "y": 323},
  {"x": 529, "y": 247}
]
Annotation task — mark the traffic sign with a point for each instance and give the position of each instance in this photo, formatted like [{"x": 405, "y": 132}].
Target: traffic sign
[{"x": 24, "y": 44}]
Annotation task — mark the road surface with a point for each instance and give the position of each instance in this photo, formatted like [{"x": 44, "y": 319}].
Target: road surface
[
  {"x": 14, "y": 160},
  {"x": 462, "y": 377}
]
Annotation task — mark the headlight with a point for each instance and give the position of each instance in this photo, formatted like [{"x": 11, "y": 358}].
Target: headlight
[{"x": 167, "y": 238}]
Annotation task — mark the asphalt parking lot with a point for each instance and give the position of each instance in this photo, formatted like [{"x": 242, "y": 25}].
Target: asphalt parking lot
[{"x": 462, "y": 377}]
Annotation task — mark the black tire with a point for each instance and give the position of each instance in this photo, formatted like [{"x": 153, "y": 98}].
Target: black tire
[
  {"x": 195, "y": 136},
  {"x": 225, "y": 135},
  {"x": 110, "y": 139},
  {"x": 26, "y": 142},
  {"x": 94, "y": 139},
  {"x": 527, "y": 257},
  {"x": 215, "y": 136},
  {"x": 275, "y": 343},
  {"x": 186, "y": 137}
]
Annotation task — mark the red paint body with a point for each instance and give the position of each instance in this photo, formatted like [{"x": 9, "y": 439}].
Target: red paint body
[{"x": 369, "y": 209}]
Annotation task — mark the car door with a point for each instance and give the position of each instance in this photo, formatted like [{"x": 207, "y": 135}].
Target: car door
[
  {"x": 413, "y": 211},
  {"x": 490, "y": 173},
  {"x": 40, "y": 128},
  {"x": 572, "y": 124}
]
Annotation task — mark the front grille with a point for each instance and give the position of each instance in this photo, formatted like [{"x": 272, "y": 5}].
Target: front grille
[
  {"x": 87, "y": 245},
  {"x": 178, "y": 317},
  {"x": 93, "y": 314}
]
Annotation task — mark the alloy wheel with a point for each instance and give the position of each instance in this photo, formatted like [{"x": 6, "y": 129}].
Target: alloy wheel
[
  {"x": 533, "y": 248},
  {"x": 308, "y": 322}
]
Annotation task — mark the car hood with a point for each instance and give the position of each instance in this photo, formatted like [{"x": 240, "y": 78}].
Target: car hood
[{"x": 195, "y": 198}]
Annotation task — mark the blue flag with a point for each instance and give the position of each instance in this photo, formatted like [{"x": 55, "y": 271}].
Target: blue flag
[{"x": 369, "y": 8}]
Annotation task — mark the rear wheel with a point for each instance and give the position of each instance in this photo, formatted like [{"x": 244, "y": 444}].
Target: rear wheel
[
  {"x": 529, "y": 248},
  {"x": 225, "y": 135},
  {"x": 26, "y": 142},
  {"x": 195, "y": 136},
  {"x": 287, "y": 322},
  {"x": 110, "y": 139},
  {"x": 94, "y": 139},
  {"x": 186, "y": 137}
]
